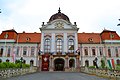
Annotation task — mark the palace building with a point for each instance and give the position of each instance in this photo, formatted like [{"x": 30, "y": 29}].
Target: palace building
[{"x": 59, "y": 46}]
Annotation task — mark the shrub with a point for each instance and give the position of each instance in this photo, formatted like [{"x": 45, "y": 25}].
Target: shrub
[
  {"x": 103, "y": 64},
  {"x": 2, "y": 65},
  {"x": 13, "y": 65},
  {"x": 117, "y": 67},
  {"x": 91, "y": 66}
]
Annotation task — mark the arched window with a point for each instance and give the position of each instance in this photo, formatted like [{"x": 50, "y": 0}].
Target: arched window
[
  {"x": 24, "y": 61},
  {"x": 118, "y": 61},
  {"x": 1, "y": 52},
  {"x": 0, "y": 60},
  {"x": 109, "y": 52},
  {"x": 47, "y": 45},
  {"x": 7, "y": 60},
  {"x": 87, "y": 63},
  {"x": 71, "y": 45},
  {"x": 59, "y": 45}
]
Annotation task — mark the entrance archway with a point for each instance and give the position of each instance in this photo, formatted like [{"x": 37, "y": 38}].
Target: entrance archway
[{"x": 59, "y": 64}]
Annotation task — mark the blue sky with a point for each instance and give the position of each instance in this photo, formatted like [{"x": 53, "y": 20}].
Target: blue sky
[{"x": 90, "y": 15}]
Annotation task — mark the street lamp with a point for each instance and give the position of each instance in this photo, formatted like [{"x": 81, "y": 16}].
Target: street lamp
[
  {"x": 21, "y": 60},
  {"x": 119, "y": 23}
]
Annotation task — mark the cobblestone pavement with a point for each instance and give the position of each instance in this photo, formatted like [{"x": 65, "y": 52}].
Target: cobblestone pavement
[{"x": 56, "y": 76}]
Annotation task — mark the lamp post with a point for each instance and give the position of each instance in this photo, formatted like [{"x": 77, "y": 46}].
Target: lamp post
[{"x": 21, "y": 60}]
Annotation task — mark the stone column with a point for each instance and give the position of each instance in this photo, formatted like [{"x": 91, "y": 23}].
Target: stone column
[
  {"x": 51, "y": 63},
  {"x": 66, "y": 63}
]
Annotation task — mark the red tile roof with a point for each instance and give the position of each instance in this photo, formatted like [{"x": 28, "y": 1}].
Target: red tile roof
[
  {"x": 21, "y": 37},
  {"x": 11, "y": 34},
  {"x": 29, "y": 37},
  {"x": 109, "y": 35},
  {"x": 89, "y": 38}
]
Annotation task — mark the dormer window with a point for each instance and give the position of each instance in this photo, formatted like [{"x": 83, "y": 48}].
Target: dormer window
[
  {"x": 90, "y": 39},
  {"x": 27, "y": 39},
  {"x": 111, "y": 35}
]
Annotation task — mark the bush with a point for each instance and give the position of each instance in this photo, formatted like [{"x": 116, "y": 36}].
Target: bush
[
  {"x": 13, "y": 65},
  {"x": 25, "y": 66},
  {"x": 117, "y": 67},
  {"x": 2, "y": 65},
  {"x": 91, "y": 66}
]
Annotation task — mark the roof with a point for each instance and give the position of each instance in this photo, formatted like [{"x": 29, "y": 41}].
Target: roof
[
  {"x": 21, "y": 37},
  {"x": 89, "y": 38},
  {"x": 109, "y": 35},
  {"x": 29, "y": 37},
  {"x": 59, "y": 15},
  {"x": 8, "y": 34}
]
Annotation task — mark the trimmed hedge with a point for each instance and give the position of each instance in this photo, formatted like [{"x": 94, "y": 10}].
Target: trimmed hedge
[{"x": 13, "y": 65}]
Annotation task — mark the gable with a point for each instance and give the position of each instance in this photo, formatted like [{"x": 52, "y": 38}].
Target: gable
[{"x": 59, "y": 24}]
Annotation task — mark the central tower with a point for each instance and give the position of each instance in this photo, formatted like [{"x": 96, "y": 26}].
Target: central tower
[{"x": 59, "y": 38}]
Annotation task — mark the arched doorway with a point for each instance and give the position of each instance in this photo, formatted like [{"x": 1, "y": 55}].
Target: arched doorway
[
  {"x": 59, "y": 64},
  {"x": 71, "y": 63},
  {"x": 87, "y": 63},
  {"x": 31, "y": 63}
]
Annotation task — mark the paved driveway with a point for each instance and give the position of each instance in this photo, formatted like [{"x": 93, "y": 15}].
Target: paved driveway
[{"x": 57, "y": 76}]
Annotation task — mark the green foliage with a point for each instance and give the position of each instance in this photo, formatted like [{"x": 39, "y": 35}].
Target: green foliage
[
  {"x": 2, "y": 65},
  {"x": 13, "y": 65},
  {"x": 91, "y": 66},
  {"x": 17, "y": 61},
  {"x": 102, "y": 64},
  {"x": 118, "y": 67}
]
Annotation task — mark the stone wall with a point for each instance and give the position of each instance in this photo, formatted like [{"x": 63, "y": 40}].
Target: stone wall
[
  {"x": 5, "y": 73},
  {"x": 102, "y": 72}
]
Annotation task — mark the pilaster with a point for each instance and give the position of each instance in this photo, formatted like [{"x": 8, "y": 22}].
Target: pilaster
[
  {"x": 65, "y": 42},
  {"x": 42, "y": 42},
  {"x": 53, "y": 43}
]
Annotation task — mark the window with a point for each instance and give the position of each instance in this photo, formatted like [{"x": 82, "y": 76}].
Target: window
[
  {"x": 71, "y": 45},
  {"x": 32, "y": 51},
  {"x": 109, "y": 52},
  {"x": 116, "y": 51},
  {"x": 47, "y": 45},
  {"x": 17, "y": 51},
  {"x": 24, "y": 61},
  {"x": 93, "y": 51},
  {"x": 0, "y": 60},
  {"x": 7, "y": 60},
  {"x": 9, "y": 49},
  {"x": 59, "y": 45},
  {"x": 101, "y": 51},
  {"x": 24, "y": 51},
  {"x": 1, "y": 52},
  {"x": 86, "y": 51},
  {"x": 118, "y": 62}
]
